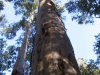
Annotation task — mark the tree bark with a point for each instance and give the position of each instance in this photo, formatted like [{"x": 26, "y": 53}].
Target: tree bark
[
  {"x": 53, "y": 53},
  {"x": 18, "y": 68}
]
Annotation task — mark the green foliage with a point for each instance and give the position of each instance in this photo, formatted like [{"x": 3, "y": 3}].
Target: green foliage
[
  {"x": 9, "y": 54},
  {"x": 88, "y": 68},
  {"x": 2, "y": 44},
  {"x": 84, "y": 10},
  {"x": 25, "y": 8},
  {"x": 59, "y": 7},
  {"x": 1, "y": 5},
  {"x": 97, "y": 47},
  {"x": 2, "y": 16},
  {"x": 5, "y": 55}
]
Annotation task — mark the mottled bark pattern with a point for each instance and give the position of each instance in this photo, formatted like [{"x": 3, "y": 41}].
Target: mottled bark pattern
[{"x": 53, "y": 53}]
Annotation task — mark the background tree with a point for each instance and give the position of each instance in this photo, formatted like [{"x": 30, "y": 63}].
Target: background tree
[
  {"x": 18, "y": 68},
  {"x": 24, "y": 8},
  {"x": 52, "y": 53},
  {"x": 9, "y": 31},
  {"x": 88, "y": 67}
]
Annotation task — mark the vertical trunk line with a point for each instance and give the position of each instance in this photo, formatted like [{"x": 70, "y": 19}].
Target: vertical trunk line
[
  {"x": 18, "y": 68},
  {"x": 57, "y": 57}
]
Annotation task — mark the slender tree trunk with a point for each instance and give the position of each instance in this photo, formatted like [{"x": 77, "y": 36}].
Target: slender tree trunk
[
  {"x": 18, "y": 68},
  {"x": 53, "y": 53}
]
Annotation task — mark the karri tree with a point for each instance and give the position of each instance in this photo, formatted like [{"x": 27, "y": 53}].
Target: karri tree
[
  {"x": 53, "y": 53},
  {"x": 19, "y": 65}
]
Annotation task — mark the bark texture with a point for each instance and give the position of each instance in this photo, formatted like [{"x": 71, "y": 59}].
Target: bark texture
[
  {"x": 18, "y": 68},
  {"x": 53, "y": 53}
]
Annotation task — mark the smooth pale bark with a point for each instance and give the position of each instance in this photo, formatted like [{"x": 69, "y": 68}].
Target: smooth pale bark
[
  {"x": 18, "y": 68},
  {"x": 53, "y": 53}
]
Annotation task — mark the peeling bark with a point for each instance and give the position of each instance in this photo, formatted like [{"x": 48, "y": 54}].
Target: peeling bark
[{"x": 53, "y": 53}]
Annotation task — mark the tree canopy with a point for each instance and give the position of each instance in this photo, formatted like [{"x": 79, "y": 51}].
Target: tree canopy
[{"x": 84, "y": 10}]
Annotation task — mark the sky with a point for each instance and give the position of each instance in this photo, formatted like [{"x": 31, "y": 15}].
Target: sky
[{"x": 81, "y": 36}]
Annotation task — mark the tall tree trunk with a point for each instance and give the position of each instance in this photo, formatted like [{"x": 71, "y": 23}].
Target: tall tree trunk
[
  {"x": 53, "y": 53},
  {"x": 18, "y": 68}
]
